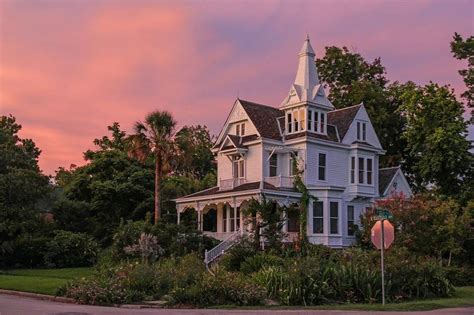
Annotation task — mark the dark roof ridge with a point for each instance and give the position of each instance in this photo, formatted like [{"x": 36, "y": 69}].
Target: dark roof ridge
[
  {"x": 344, "y": 108},
  {"x": 258, "y": 104}
]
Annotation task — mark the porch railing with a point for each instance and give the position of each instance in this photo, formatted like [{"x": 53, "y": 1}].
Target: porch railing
[
  {"x": 280, "y": 181},
  {"x": 228, "y": 184},
  {"x": 221, "y": 248}
]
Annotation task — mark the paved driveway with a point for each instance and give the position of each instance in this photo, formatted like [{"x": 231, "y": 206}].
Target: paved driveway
[{"x": 15, "y": 305}]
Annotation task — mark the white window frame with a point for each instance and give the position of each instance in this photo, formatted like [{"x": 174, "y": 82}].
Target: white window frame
[
  {"x": 353, "y": 169},
  {"x": 371, "y": 171},
  {"x": 348, "y": 222},
  {"x": 270, "y": 166},
  {"x": 361, "y": 132},
  {"x": 325, "y": 166},
  {"x": 318, "y": 217},
  {"x": 338, "y": 217},
  {"x": 241, "y": 167}
]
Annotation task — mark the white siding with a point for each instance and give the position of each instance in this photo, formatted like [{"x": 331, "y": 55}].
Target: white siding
[{"x": 336, "y": 166}]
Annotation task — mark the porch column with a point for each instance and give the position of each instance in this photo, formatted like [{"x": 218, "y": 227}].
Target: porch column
[
  {"x": 234, "y": 215},
  {"x": 199, "y": 211},
  {"x": 179, "y": 216}
]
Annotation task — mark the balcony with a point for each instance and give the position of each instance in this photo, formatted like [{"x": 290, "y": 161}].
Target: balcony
[
  {"x": 280, "y": 181},
  {"x": 229, "y": 184}
]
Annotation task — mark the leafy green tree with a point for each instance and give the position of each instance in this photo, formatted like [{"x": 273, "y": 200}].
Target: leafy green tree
[
  {"x": 109, "y": 188},
  {"x": 425, "y": 225},
  {"x": 194, "y": 145},
  {"x": 22, "y": 185},
  {"x": 353, "y": 80},
  {"x": 266, "y": 220},
  {"x": 437, "y": 151},
  {"x": 463, "y": 49},
  {"x": 153, "y": 139}
]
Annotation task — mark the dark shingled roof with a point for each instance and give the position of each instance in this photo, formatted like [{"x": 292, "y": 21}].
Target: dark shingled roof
[
  {"x": 342, "y": 118},
  {"x": 331, "y": 135},
  {"x": 215, "y": 190},
  {"x": 385, "y": 177},
  {"x": 264, "y": 118}
]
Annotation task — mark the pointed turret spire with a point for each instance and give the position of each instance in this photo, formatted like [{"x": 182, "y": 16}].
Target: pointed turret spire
[{"x": 306, "y": 87}]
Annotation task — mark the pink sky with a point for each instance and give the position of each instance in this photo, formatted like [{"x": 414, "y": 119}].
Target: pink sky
[{"x": 68, "y": 69}]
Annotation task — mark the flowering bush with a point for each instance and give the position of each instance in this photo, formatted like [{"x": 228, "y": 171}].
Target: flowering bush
[{"x": 147, "y": 248}]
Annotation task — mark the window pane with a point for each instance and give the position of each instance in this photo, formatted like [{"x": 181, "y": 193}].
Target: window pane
[
  {"x": 361, "y": 170},
  {"x": 350, "y": 213},
  {"x": 310, "y": 120},
  {"x": 334, "y": 215},
  {"x": 318, "y": 209},
  {"x": 295, "y": 120},
  {"x": 242, "y": 129},
  {"x": 358, "y": 130},
  {"x": 237, "y": 129},
  {"x": 318, "y": 227},
  {"x": 273, "y": 165},
  {"x": 323, "y": 119},
  {"x": 242, "y": 170},
  {"x": 322, "y": 166},
  {"x": 316, "y": 121},
  {"x": 369, "y": 171},
  {"x": 334, "y": 209},
  {"x": 236, "y": 169},
  {"x": 363, "y": 131},
  {"x": 353, "y": 162}
]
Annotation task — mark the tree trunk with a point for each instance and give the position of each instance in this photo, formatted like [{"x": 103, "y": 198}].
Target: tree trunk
[{"x": 157, "y": 188}]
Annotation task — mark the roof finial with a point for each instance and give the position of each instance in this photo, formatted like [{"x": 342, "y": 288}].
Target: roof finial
[{"x": 307, "y": 37}]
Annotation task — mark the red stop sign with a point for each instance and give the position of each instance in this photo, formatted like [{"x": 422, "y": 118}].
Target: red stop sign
[{"x": 376, "y": 234}]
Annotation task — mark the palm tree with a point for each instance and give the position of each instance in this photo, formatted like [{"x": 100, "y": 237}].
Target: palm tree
[{"x": 153, "y": 138}]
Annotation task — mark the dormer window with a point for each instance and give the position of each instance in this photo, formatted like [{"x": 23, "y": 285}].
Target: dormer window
[
  {"x": 296, "y": 120},
  {"x": 361, "y": 131},
  {"x": 317, "y": 121},
  {"x": 240, "y": 129}
]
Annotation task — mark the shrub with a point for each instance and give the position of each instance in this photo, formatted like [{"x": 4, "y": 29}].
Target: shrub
[
  {"x": 255, "y": 263},
  {"x": 133, "y": 282},
  {"x": 221, "y": 289},
  {"x": 68, "y": 249},
  {"x": 238, "y": 254}
]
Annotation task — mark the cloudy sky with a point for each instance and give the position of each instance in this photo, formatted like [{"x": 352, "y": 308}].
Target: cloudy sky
[{"x": 68, "y": 69}]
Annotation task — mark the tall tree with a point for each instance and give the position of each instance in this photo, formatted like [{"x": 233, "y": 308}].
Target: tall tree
[
  {"x": 462, "y": 50},
  {"x": 153, "y": 139},
  {"x": 353, "y": 80},
  {"x": 22, "y": 185},
  {"x": 194, "y": 145},
  {"x": 437, "y": 149}
]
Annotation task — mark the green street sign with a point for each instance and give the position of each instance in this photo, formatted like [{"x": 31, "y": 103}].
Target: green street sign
[{"x": 383, "y": 214}]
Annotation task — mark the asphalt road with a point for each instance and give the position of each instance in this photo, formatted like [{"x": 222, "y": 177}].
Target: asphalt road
[{"x": 15, "y": 305}]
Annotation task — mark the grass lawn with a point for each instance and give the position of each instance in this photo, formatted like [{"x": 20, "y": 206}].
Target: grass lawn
[
  {"x": 464, "y": 296},
  {"x": 45, "y": 281}
]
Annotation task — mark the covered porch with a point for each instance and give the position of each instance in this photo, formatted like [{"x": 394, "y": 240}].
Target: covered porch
[{"x": 221, "y": 215}]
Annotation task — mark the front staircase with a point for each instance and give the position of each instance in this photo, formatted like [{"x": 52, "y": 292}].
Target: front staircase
[{"x": 216, "y": 252}]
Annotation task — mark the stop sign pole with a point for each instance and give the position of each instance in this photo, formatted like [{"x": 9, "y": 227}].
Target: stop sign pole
[
  {"x": 382, "y": 216},
  {"x": 382, "y": 245}
]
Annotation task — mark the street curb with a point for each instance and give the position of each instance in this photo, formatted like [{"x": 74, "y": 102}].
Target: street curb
[
  {"x": 38, "y": 296},
  {"x": 60, "y": 299}
]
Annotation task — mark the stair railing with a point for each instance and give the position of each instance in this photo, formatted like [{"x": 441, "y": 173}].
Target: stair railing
[{"x": 221, "y": 248}]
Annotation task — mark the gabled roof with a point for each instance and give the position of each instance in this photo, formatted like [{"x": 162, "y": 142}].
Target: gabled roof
[
  {"x": 264, "y": 118},
  {"x": 385, "y": 177},
  {"x": 342, "y": 118}
]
